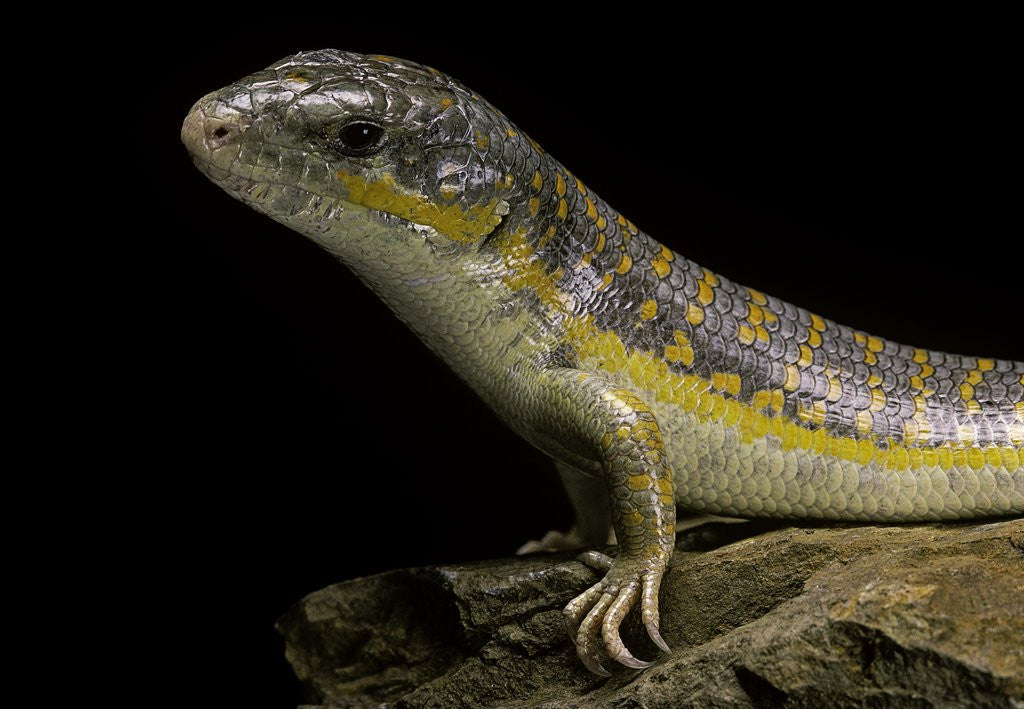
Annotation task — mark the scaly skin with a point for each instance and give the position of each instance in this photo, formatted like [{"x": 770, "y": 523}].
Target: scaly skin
[{"x": 652, "y": 382}]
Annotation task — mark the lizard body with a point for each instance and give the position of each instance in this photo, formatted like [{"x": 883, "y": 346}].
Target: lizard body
[{"x": 651, "y": 381}]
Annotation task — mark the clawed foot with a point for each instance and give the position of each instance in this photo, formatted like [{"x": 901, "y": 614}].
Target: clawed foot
[
  {"x": 553, "y": 541},
  {"x": 601, "y": 609}
]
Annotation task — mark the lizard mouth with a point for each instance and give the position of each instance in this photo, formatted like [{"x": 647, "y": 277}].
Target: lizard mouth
[{"x": 288, "y": 202}]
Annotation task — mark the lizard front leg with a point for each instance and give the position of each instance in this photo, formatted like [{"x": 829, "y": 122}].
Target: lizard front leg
[{"x": 618, "y": 432}]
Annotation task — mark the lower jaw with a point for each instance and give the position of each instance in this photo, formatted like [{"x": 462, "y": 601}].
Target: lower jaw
[{"x": 262, "y": 195}]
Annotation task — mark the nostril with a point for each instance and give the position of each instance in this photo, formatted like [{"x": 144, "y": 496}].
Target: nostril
[{"x": 221, "y": 132}]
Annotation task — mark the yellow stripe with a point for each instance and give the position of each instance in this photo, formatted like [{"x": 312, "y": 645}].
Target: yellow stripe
[
  {"x": 694, "y": 394},
  {"x": 458, "y": 224}
]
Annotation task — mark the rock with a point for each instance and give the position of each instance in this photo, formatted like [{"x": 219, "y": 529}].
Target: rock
[{"x": 881, "y": 616}]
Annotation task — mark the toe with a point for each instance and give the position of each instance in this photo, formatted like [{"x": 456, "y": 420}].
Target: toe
[
  {"x": 579, "y": 607},
  {"x": 649, "y": 610},
  {"x": 596, "y": 560},
  {"x": 613, "y": 644},
  {"x": 587, "y": 637}
]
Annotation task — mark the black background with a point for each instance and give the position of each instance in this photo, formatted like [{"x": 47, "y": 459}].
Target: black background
[{"x": 870, "y": 173}]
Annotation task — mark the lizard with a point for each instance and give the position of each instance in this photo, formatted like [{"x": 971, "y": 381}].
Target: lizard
[{"x": 653, "y": 383}]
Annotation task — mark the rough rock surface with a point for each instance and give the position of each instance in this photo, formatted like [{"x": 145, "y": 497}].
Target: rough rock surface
[{"x": 880, "y": 616}]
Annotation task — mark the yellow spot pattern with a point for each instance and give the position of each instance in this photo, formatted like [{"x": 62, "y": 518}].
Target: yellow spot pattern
[
  {"x": 563, "y": 210},
  {"x": 705, "y": 296},
  {"x": 727, "y": 382},
  {"x": 547, "y": 236},
  {"x": 878, "y": 400},
  {"x": 648, "y": 310},
  {"x": 661, "y": 267},
  {"x": 792, "y": 382},
  {"x": 806, "y": 357},
  {"x": 813, "y": 412},
  {"x": 694, "y": 314},
  {"x": 757, "y": 297},
  {"x": 835, "y": 388},
  {"x": 679, "y": 353},
  {"x": 707, "y": 400},
  {"x": 769, "y": 398},
  {"x": 625, "y": 264}
]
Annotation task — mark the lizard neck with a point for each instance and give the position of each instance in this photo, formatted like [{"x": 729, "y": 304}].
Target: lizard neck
[{"x": 465, "y": 309}]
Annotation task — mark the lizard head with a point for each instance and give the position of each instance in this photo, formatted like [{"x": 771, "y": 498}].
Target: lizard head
[{"x": 376, "y": 159}]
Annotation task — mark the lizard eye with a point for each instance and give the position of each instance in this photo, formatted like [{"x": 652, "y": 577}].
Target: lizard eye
[{"x": 360, "y": 138}]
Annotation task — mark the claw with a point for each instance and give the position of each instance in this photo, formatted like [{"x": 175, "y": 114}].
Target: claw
[
  {"x": 652, "y": 631},
  {"x": 594, "y": 666},
  {"x": 624, "y": 601},
  {"x": 601, "y": 609},
  {"x": 628, "y": 660},
  {"x": 649, "y": 610}
]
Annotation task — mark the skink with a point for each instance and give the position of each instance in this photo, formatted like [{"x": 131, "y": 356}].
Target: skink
[{"x": 653, "y": 383}]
